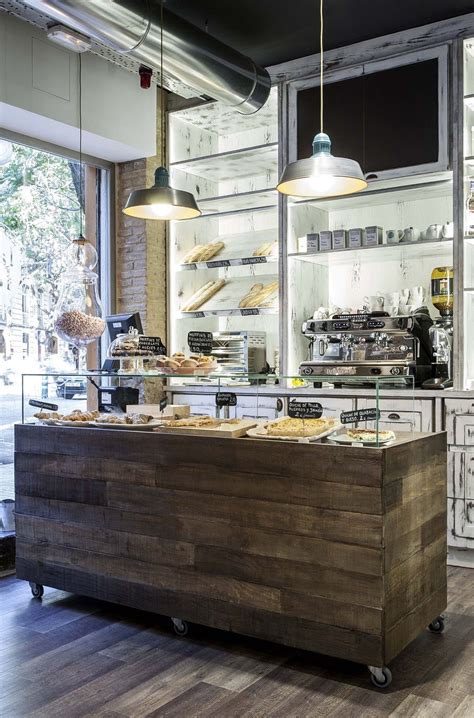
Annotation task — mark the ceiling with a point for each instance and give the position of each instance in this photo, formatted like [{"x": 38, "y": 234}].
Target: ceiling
[{"x": 273, "y": 31}]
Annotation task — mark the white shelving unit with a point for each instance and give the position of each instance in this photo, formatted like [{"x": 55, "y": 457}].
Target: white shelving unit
[{"x": 230, "y": 163}]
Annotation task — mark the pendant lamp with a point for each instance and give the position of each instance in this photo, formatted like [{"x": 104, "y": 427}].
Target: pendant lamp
[
  {"x": 322, "y": 174},
  {"x": 161, "y": 201}
]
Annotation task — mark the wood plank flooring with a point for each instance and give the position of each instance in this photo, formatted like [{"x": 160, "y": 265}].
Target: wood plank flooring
[{"x": 69, "y": 656}]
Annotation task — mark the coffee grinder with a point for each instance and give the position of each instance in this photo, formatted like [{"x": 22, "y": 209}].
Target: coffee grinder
[{"x": 441, "y": 333}]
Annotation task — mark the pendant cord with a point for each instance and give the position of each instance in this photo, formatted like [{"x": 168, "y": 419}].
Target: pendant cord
[
  {"x": 162, "y": 107},
  {"x": 321, "y": 60},
  {"x": 81, "y": 191}
]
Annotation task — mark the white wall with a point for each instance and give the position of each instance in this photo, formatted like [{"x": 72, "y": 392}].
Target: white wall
[{"x": 39, "y": 97}]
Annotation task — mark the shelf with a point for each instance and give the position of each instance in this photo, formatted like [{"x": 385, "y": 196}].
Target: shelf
[
  {"x": 225, "y": 303},
  {"x": 221, "y": 120},
  {"x": 387, "y": 192},
  {"x": 469, "y": 101},
  {"x": 238, "y": 251},
  {"x": 233, "y": 165},
  {"x": 243, "y": 202},
  {"x": 415, "y": 249},
  {"x": 251, "y": 312}
]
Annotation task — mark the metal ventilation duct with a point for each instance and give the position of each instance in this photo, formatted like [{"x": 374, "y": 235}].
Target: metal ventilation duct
[{"x": 193, "y": 56}]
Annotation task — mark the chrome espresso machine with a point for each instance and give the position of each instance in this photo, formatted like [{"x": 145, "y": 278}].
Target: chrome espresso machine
[{"x": 372, "y": 344}]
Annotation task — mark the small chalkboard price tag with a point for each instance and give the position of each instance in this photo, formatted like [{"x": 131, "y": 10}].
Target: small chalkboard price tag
[
  {"x": 249, "y": 312},
  {"x": 351, "y": 417},
  {"x": 163, "y": 403},
  {"x": 226, "y": 398},
  {"x": 43, "y": 405},
  {"x": 304, "y": 409},
  {"x": 154, "y": 345},
  {"x": 200, "y": 342}
]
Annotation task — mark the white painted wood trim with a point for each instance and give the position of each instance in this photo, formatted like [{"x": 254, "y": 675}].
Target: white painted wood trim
[{"x": 399, "y": 43}]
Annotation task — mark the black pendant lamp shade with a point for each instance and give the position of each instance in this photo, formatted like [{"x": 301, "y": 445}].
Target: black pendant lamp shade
[{"x": 161, "y": 201}]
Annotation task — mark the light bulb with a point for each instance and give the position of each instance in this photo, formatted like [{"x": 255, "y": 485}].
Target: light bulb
[
  {"x": 161, "y": 210},
  {"x": 322, "y": 183}
]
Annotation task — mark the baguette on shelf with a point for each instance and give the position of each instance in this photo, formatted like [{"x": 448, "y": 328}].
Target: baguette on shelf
[
  {"x": 203, "y": 252},
  {"x": 202, "y": 295},
  {"x": 260, "y": 295},
  {"x": 265, "y": 250}
]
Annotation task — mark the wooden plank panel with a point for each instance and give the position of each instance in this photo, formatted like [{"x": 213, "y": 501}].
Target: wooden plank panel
[
  {"x": 206, "y": 478},
  {"x": 414, "y": 540},
  {"x": 335, "y": 613},
  {"x": 181, "y": 580},
  {"x": 408, "y": 628},
  {"x": 311, "y": 580},
  {"x": 104, "y": 541},
  {"x": 290, "y": 631},
  {"x": 84, "y": 467},
  {"x": 414, "y": 455},
  {"x": 344, "y": 526},
  {"x": 61, "y": 488},
  {"x": 360, "y": 559},
  {"x": 420, "y": 576},
  {"x": 259, "y": 457},
  {"x": 424, "y": 481}
]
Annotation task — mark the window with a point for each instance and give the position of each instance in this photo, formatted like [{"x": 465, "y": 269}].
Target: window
[{"x": 42, "y": 196}]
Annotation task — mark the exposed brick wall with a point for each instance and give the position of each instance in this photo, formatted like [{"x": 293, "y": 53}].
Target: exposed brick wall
[{"x": 140, "y": 248}]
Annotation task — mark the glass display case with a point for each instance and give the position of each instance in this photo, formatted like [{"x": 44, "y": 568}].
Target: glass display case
[
  {"x": 467, "y": 286},
  {"x": 144, "y": 402}
]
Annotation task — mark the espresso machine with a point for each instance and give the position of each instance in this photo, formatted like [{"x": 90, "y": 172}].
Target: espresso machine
[
  {"x": 441, "y": 333},
  {"x": 372, "y": 345}
]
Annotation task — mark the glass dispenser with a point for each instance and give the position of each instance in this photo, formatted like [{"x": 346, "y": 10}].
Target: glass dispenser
[{"x": 78, "y": 318}]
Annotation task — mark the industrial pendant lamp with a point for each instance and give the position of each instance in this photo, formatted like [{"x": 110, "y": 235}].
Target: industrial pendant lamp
[
  {"x": 161, "y": 201},
  {"x": 322, "y": 175}
]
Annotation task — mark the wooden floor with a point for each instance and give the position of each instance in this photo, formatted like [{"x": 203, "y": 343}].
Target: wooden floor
[{"x": 69, "y": 656}]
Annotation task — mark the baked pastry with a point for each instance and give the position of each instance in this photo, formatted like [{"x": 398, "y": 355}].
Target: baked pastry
[
  {"x": 369, "y": 435},
  {"x": 300, "y": 427},
  {"x": 264, "y": 250},
  {"x": 259, "y": 294}
]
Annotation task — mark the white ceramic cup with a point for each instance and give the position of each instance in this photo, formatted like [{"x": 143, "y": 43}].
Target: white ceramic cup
[
  {"x": 418, "y": 296},
  {"x": 404, "y": 296},
  {"x": 375, "y": 303},
  {"x": 406, "y": 309}
]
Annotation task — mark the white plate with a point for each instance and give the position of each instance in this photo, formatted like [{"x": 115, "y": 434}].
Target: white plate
[
  {"x": 344, "y": 439},
  {"x": 133, "y": 427},
  {"x": 260, "y": 432},
  {"x": 61, "y": 422}
]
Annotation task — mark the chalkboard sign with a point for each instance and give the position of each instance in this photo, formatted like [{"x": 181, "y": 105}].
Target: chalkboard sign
[
  {"x": 351, "y": 417},
  {"x": 214, "y": 264},
  {"x": 154, "y": 345},
  {"x": 200, "y": 342},
  {"x": 43, "y": 405},
  {"x": 254, "y": 260},
  {"x": 304, "y": 409},
  {"x": 249, "y": 312},
  {"x": 226, "y": 398},
  {"x": 163, "y": 403}
]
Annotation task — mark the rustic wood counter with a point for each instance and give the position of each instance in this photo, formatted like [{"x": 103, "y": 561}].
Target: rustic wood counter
[{"x": 335, "y": 549}]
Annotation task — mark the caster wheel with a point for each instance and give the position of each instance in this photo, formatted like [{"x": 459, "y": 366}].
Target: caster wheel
[
  {"x": 380, "y": 677},
  {"x": 180, "y": 627},
  {"x": 437, "y": 626},
  {"x": 37, "y": 590}
]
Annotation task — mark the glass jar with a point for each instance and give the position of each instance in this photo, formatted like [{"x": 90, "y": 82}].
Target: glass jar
[{"x": 78, "y": 318}]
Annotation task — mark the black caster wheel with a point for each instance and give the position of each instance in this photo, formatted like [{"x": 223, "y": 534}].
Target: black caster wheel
[
  {"x": 380, "y": 677},
  {"x": 37, "y": 590},
  {"x": 180, "y": 627},
  {"x": 437, "y": 626}
]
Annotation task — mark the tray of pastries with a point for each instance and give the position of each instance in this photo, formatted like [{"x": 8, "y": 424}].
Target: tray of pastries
[
  {"x": 207, "y": 426},
  {"x": 74, "y": 418},
  {"x": 303, "y": 430},
  {"x": 95, "y": 418},
  {"x": 179, "y": 363},
  {"x": 363, "y": 436}
]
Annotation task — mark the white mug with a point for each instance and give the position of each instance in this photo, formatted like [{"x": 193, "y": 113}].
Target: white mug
[
  {"x": 418, "y": 296},
  {"x": 375, "y": 303},
  {"x": 404, "y": 296}
]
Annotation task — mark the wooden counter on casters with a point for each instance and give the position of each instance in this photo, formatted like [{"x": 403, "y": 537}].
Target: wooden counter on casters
[{"x": 335, "y": 549}]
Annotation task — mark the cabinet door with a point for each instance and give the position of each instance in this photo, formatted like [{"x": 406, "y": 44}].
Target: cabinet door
[
  {"x": 460, "y": 421},
  {"x": 401, "y": 414},
  {"x": 461, "y": 523},
  {"x": 461, "y": 475}
]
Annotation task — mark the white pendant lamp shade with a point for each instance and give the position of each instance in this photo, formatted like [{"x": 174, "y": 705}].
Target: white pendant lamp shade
[
  {"x": 322, "y": 175},
  {"x": 161, "y": 201}
]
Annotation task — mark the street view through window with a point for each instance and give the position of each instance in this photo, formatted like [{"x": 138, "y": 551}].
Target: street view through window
[{"x": 40, "y": 206}]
